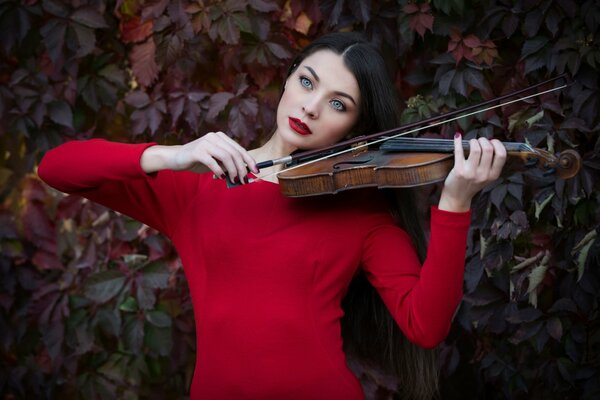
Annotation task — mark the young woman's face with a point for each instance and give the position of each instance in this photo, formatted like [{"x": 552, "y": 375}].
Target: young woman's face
[{"x": 320, "y": 103}]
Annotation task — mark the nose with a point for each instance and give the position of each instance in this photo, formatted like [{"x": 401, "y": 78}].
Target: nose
[{"x": 311, "y": 107}]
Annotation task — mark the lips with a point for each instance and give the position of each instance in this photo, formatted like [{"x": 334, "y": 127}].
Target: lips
[{"x": 299, "y": 126}]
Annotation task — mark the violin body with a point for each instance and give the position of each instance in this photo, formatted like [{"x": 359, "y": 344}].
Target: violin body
[
  {"x": 369, "y": 168},
  {"x": 404, "y": 162}
]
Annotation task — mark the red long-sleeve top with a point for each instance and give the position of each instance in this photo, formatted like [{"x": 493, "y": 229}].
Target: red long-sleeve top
[{"x": 267, "y": 273}]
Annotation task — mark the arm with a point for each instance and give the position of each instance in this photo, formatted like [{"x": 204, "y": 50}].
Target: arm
[
  {"x": 139, "y": 180},
  {"x": 422, "y": 299},
  {"x": 109, "y": 173}
]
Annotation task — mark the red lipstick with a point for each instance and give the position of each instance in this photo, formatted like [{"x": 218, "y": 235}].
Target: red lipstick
[{"x": 299, "y": 126}]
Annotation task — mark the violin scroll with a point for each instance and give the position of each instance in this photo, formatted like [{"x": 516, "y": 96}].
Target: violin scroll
[{"x": 565, "y": 165}]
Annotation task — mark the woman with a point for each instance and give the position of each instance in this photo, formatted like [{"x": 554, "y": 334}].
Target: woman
[{"x": 267, "y": 274}]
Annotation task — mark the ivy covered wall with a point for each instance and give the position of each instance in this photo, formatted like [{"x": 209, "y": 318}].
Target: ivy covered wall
[{"x": 94, "y": 305}]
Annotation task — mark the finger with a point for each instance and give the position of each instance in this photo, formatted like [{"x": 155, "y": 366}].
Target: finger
[
  {"x": 223, "y": 156},
  {"x": 239, "y": 154},
  {"x": 234, "y": 163},
  {"x": 474, "y": 154},
  {"x": 487, "y": 155},
  {"x": 499, "y": 158},
  {"x": 250, "y": 162},
  {"x": 459, "y": 153}
]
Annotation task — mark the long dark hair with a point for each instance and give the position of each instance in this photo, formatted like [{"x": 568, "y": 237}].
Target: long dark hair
[{"x": 371, "y": 336}]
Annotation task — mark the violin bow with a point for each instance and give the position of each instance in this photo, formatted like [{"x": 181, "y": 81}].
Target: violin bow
[{"x": 404, "y": 129}]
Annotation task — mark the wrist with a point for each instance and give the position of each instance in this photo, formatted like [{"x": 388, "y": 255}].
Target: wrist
[
  {"x": 449, "y": 203},
  {"x": 157, "y": 158}
]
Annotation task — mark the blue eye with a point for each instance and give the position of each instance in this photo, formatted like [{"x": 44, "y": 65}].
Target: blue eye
[
  {"x": 338, "y": 105},
  {"x": 304, "y": 81}
]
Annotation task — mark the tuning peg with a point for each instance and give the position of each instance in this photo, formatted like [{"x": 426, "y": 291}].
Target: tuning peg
[
  {"x": 531, "y": 162},
  {"x": 549, "y": 171}
]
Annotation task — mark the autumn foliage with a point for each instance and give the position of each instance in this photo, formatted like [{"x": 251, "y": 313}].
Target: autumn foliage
[{"x": 95, "y": 305}]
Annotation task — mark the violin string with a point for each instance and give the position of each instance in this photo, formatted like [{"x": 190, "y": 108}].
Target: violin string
[{"x": 407, "y": 132}]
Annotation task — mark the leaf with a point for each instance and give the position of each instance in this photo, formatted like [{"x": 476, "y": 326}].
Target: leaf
[
  {"x": 158, "y": 339},
  {"x": 90, "y": 17},
  {"x": 554, "y": 328},
  {"x": 135, "y": 31},
  {"x": 129, "y": 305},
  {"x": 582, "y": 258},
  {"x": 53, "y": 33},
  {"x": 525, "y": 332},
  {"x": 145, "y": 298},
  {"x": 218, "y": 102},
  {"x": 155, "y": 275},
  {"x": 143, "y": 63},
  {"x": 536, "y": 276},
  {"x": 534, "y": 45},
  {"x": 133, "y": 334},
  {"x": 539, "y": 207},
  {"x": 533, "y": 22},
  {"x": 263, "y": 6},
  {"x": 525, "y": 315},
  {"x": 159, "y": 319},
  {"x": 563, "y": 304},
  {"x": 60, "y": 112},
  {"x": 510, "y": 24},
  {"x": 137, "y": 99},
  {"x": 104, "y": 285}
]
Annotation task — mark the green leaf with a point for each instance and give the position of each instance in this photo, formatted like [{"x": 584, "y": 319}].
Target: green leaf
[
  {"x": 534, "y": 45},
  {"x": 145, "y": 297},
  {"x": 536, "y": 276},
  {"x": 539, "y": 207},
  {"x": 155, "y": 275},
  {"x": 133, "y": 334},
  {"x": 129, "y": 305},
  {"x": 159, "y": 319},
  {"x": 535, "y": 118},
  {"x": 104, "y": 285},
  {"x": 582, "y": 258},
  {"x": 158, "y": 339}
]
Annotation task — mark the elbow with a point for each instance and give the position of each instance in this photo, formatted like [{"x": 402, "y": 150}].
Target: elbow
[
  {"x": 46, "y": 171},
  {"x": 430, "y": 337}
]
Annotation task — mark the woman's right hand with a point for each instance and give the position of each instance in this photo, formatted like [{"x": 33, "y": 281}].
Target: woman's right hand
[{"x": 214, "y": 151}]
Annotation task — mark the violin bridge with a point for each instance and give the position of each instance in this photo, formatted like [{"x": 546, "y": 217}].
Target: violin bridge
[{"x": 359, "y": 148}]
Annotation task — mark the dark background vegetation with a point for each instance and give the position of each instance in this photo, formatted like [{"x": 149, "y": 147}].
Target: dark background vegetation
[{"x": 94, "y": 305}]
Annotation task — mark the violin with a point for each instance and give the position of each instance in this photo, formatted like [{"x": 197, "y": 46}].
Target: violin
[{"x": 404, "y": 162}]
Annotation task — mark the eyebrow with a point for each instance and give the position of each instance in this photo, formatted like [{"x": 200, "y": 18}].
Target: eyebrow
[{"x": 343, "y": 94}]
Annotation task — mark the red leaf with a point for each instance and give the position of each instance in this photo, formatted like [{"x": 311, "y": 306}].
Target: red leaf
[
  {"x": 143, "y": 63},
  {"x": 154, "y": 10},
  {"x": 44, "y": 260},
  {"x": 410, "y": 8},
  {"x": 218, "y": 102},
  {"x": 90, "y": 17},
  {"x": 472, "y": 41},
  {"x": 135, "y": 31}
]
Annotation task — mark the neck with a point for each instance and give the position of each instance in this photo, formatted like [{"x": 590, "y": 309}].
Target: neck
[{"x": 272, "y": 149}]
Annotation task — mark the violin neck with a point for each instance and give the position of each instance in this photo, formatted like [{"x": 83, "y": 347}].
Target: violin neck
[{"x": 429, "y": 145}]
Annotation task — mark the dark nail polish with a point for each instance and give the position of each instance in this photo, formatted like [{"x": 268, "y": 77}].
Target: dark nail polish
[{"x": 457, "y": 135}]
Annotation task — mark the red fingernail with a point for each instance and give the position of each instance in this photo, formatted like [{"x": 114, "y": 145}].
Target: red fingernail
[{"x": 457, "y": 135}]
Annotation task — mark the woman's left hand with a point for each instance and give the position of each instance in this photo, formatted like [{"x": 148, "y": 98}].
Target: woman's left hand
[{"x": 483, "y": 166}]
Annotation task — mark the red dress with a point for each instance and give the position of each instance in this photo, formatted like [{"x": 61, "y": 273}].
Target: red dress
[{"x": 267, "y": 273}]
